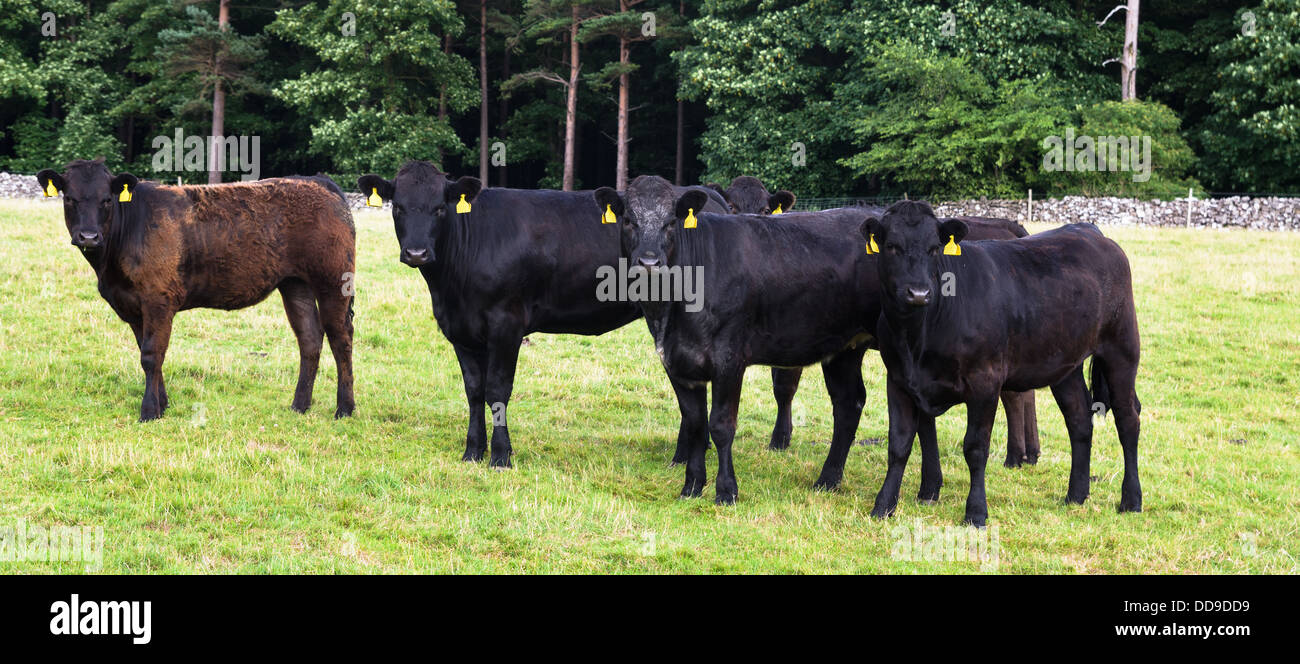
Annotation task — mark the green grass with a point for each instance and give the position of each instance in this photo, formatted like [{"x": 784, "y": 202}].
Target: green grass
[{"x": 232, "y": 481}]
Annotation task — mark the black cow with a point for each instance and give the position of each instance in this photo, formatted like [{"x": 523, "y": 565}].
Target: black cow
[
  {"x": 1023, "y": 315},
  {"x": 157, "y": 250},
  {"x": 515, "y": 263},
  {"x": 784, "y": 293},
  {"x": 747, "y": 195}
]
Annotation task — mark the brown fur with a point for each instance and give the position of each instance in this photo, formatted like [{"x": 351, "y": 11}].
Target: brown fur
[{"x": 221, "y": 246}]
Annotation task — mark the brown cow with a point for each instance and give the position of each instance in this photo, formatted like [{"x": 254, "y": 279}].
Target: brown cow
[{"x": 157, "y": 250}]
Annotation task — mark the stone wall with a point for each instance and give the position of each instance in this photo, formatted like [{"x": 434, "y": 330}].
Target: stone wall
[{"x": 1234, "y": 212}]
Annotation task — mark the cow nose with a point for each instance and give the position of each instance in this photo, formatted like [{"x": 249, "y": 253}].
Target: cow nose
[
  {"x": 649, "y": 259},
  {"x": 918, "y": 297},
  {"x": 88, "y": 238},
  {"x": 415, "y": 256}
]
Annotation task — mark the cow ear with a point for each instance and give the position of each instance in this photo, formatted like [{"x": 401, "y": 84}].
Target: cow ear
[
  {"x": 782, "y": 200},
  {"x": 466, "y": 186},
  {"x": 955, "y": 229},
  {"x": 122, "y": 186},
  {"x": 873, "y": 231},
  {"x": 609, "y": 200},
  {"x": 48, "y": 177},
  {"x": 690, "y": 204},
  {"x": 718, "y": 188},
  {"x": 372, "y": 184}
]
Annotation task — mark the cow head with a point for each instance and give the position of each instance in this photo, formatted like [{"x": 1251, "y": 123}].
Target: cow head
[
  {"x": 911, "y": 242},
  {"x": 90, "y": 193},
  {"x": 423, "y": 199},
  {"x": 747, "y": 195},
  {"x": 649, "y": 218}
]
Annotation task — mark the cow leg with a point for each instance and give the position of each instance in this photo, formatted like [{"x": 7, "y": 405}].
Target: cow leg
[
  {"x": 931, "y": 472},
  {"x": 1072, "y": 398},
  {"x": 336, "y": 316},
  {"x": 300, "y": 307},
  {"x": 1032, "y": 446},
  {"x": 980, "y": 415},
  {"x": 843, "y": 377},
  {"x": 695, "y": 420},
  {"x": 137, "y": 328},
  {"x": 903, "y": 423},
  {"x": 501, "y": 360},
  {"x": 694, "y": 434},
  {"x": 784, "y": 384},
  {"x": 1120, "y": 378},
  {"x": 472, "y": 366},
  {"x": 722, "y": 428},
  {"x": 1013, "y": 405},
  {"x": 155, "y": 335}
]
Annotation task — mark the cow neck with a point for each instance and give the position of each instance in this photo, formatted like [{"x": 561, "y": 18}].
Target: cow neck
[{"x": 908, "y": 332}]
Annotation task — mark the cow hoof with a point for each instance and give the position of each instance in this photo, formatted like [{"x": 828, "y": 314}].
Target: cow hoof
[
  {"x": 780, "y": 440},
  {"x": 1130, "y": 505},
  {"x": 692, "y": 488},
  {"x": 298, "y": 409},
  {"x": 779, "y": 446},
  {"x": 826, "y": 484},
  {"x": 975, "y": 520},
  {"x": 147, "y": 416},
  {"x": 881, "y": 512},
  {"x": 928, "y": 497},
  {"x": 1031, "y": 459},
  {"x": 1076, "y": 500},
  {"x": 500, "y": 463},
  {"x": 341, "y": 413},
  {"x": 472, "y": 457},
  {"x": 1013, "y": 462},
  {"x": 679, "y": 459},
  {"x": 725, "y": 499}
]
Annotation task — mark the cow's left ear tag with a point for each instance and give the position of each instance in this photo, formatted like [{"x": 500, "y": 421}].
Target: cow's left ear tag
[
  {"x": 952, "y": 248},
  {"x": 778, "y": 209},
  {"x": 125, "y": 196},
  {"x": 871, "y": 244},
  {"x": 50, "y": 190},
  {"x": 375, "y": 200},
  {"x": 609, "y": 217},
  {"x": 690, "y": 218},
  {"x": 463, "y": 206}
]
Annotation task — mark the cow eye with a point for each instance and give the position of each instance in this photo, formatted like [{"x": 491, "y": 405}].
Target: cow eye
[
  {"x": 894, "y": 249},
  {"x": 934, "y": 251}
]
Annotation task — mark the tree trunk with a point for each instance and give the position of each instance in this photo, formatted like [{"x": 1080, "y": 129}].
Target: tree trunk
[
  {"x": 215, "y": 144},
  {"x": 571, "y": 108},
  {"x": 483, "y": 94},
  {"x": 442, "y": 101},
  {"x": 624, "y": 49},
  {"x": 1128, "y": 86},
  {"x": 504, "y": 113},
  {"x": 678, "y": 174}
]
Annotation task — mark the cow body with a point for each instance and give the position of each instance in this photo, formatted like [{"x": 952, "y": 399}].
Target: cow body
[
  {"x": 1025, "y": 315},
  {"x": 520, "y": 261},
  {"x": 227, "y": 246}
]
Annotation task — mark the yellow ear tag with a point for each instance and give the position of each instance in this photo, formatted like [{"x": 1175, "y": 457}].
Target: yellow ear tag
[
  {"x": 871, "y": 244},
  {"x": 50, "y": 189},
  {"x": 374, "y": 199},
  {"x": 608, "y": 217},
  {"x": 778, "y": 209},
  {"x": 952, "y": 248},
  {"x": 463, "y": 206},
  {"x": 125, "y": 196},
  {"x": 690, "y": 218}
]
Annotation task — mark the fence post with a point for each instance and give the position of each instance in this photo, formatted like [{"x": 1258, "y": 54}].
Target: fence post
[
  {"x": 1190, "y": 198},
  {"x": 1031, "y": 206}
]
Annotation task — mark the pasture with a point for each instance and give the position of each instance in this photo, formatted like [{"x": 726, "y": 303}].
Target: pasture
[{"x": 231, "y": 480}]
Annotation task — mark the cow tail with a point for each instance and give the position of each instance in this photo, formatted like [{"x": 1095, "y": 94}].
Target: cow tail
[{"x": 1100, "y": 389}]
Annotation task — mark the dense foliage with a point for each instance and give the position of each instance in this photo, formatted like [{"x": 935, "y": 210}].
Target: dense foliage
[{"x": 824, "y": 97}]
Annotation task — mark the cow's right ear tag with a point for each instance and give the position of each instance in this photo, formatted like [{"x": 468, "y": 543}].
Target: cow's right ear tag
[
  {"x": 690, "y": 218},
  {"x": 463, "y": 206},
  {"x": 375, "y": 200},
  {"x": 608, "y": 217},
  {"x": 778, "y": 209},
  {"x": 50, "y": 190},
  {"x": 871, "y": 244}
]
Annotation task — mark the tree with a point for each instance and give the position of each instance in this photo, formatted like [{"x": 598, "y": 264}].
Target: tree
[
  {"x": 1252, "y": 137},
  {"x": 371, "y": 99}
]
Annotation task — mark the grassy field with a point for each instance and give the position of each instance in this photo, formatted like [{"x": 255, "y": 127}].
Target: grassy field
[{"x": 232, "y": 481}]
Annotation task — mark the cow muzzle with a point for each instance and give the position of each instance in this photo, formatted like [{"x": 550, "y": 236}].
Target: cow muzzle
[
  {"x": 416, "y": 257},
  {"x": 87, "y": 239},
  {"x": 917, "y": 297}
]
